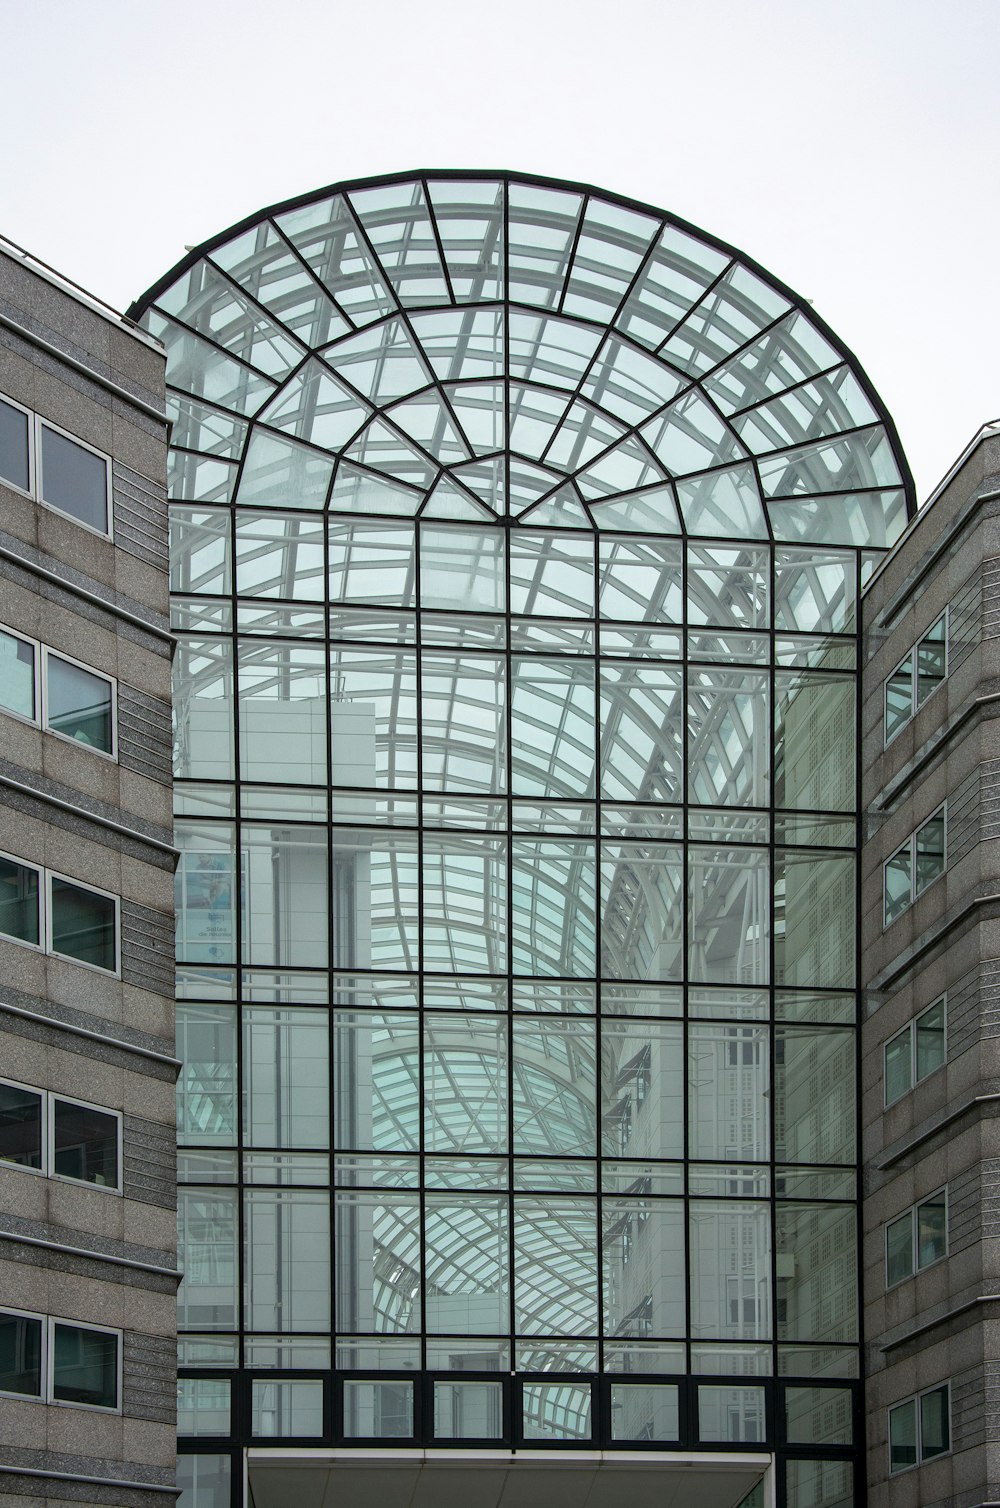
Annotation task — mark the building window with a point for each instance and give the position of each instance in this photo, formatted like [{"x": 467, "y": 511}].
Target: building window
[
  {"x": 914, "y": 678},
  {"x": 55, "y": 1361},
  {"x": 60, "y": 694},
  {"x": 916, "y": 1239},
  {"x": 49, "y": 911},
  {"x": 919, "y": 1428},
  {"x": 915, "y": 1052},
  {"x": 66, "y": 1138},
  {"x": 58, "y": 469},
  {"x": 914, "y": 866}
]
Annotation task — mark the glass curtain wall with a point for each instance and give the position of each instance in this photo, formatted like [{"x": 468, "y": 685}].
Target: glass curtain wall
[{"x": 518, "y": 535}]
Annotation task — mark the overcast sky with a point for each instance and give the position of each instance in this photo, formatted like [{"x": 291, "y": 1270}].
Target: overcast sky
[{"x": 851, "y": 146}]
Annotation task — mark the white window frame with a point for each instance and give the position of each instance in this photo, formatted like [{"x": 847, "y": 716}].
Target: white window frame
[
  {"x": 47, "y": 1369},
  {"x": 915, "y": 1265},
  {"x": 912, "y": 656},
  {"x": 914, "y": 1398},
  {"x": 38, "y": 478},
  {"x": 48, "y": 1098},
  {"x": 48, "y": 652},
  {"x": 41, "y": 654},
  {"x": 911, "y": 1028},
  {"x": 35, "y": 479},
  {"x": 31, "y": 417},
  {"x": 911, "y": 844},
  {"x": 48, "y": 909},
  {"x": 45, "y": 916}
]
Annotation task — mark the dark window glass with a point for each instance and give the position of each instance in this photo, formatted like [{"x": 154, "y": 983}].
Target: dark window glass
[
  {"x": 18, "y": 901},
  {"x": 85, "y": 1367},
  {"x": 79, "y": 704},
  {"x": 83, "y": 925},
  {"x": 20, "y": 1126},
  {"x": 20, "y": 1355},
  {"x": 903, "y": 1435},
  {"x": 930, "y": 1040},
  {"x": 17, "y": 675},
  {"x": 935, "y": 1435},
  {"x": 13, "y": 445},
  {"x": 898, "y": 1067},
  {"x": 74, "y": 480},
  {"x": 86, "y": 1144}
]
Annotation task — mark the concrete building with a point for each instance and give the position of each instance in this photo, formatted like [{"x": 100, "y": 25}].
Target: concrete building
[
  {"x": 931, "y": 944},
  {"x": 87, "y": 1070}
]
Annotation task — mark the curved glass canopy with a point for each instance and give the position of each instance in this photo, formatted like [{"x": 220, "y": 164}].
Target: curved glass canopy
[
  {"x": 483, "y": 348},
  {"x": 517, "y": 540}
]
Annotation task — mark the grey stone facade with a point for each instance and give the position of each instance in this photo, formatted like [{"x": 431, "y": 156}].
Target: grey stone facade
[
  {"x": 83, "y": 1254},
  {"x": 941, "y": 1324}
]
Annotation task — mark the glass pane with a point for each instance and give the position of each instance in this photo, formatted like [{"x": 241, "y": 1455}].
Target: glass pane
[
  {"x": 468, "y": 1411},
  {"x": 19, "y": 901},
  {"x": 556, "y": 1411},
  {"x": 815, "y": 932},
  {"x": 814, "y": 1095},
  {"x": 814, "y": 740},
  {"x": 85, "y": 1367},
  {"x": 378, "y": 1410},
  {"x": 463, "y": 728},
  {"x": 285, "y": 1408},
  {"x": 641, "y": 732},
  {"x": 20, "y": 1355},
  {"x": 204, "y": 1481},
  {"x": 642, "y": 912},
  {"x": 79, "y": 704},
  {"x": 729, "y": 1093},
  {"x": 74, "y": 480},
  {"x": 819, "y": 1416},
  {"x": 642, "y": 1089},
  {"x": 814, "y": 591},
  {"x": 203, "y": 710},
  {"x": 931, "y": 652},
  {"x": 899, "y": 698},
  {"x": 83, "y": 925},
  {"x": 461, "y": 570},
  {"x": 377, "y": 1076},
  {"x": 20, "y": 1126},
  {"x": 930, "y": 852},
  {"x": 932, "y": 1230},
  {"x": 555, "y": 1267},
  {"x": 903, "y": 1435},
  {"x": 731, "y": 1415},
  {"x": 643, "y": 1251},
  {"x": 935, "y": 1431},
  {"x": 648, "y": 1412},
  {"x": 286, "y": 1260},
  {"x": 206, "y": 1088},
  {"x": 17, "y": 674},
  {"x": 206, "y": 1239},
  {"x": 640, "y": 580},
  {"x": 730, "y": 1270},
  {"x": 286, "y": 1093},
  {"x": 809, "y": 1484},
  {"x": 282, "y": 691},
  {"x": 86, "y": 1144},
  {"x": 467, "y": 1260},
  {"x": 899, "y": 1249},
  {"x": 284, "y": 872},
  {"x": 14, "y": 465},
  {"x": 464, "y": 904},
  {"x": 930, "y": 1029},
  {"x": 729, "y": 915},
  {"x": 553, "y": 903},
  {"x": 899, "y": 1066},
  {"x": 898, "y": 883},
  {"x": 728, "y": 738},
  {"x": 552, "y": 727},
  {"x": 554, "y": 1108},
  {"x": 817, "y": 1271},
  {"x": 465, "y": 1083},
  {"x": 203, "y": 1406},
  {"x": 378, "y": 1263}
]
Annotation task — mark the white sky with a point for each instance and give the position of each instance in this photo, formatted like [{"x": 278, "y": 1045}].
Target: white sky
[{"x": 850, "y": 146}]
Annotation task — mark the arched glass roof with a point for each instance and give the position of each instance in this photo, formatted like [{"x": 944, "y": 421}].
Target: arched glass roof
[{"x": 486, "y": 348}]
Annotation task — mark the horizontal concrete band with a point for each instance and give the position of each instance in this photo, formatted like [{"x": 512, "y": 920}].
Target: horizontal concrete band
[
  {"x": 67, "y": 585},
  {"x": 72, "y": 1476},
  {"x": 122, "y": 829},
  {"x": 41, "y": 1243},
  {"x": 92, "y": 1036},
  {"x": 107, "y": 383}
]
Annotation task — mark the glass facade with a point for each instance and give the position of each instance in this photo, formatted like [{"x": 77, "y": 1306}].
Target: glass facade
[{"x": 518, "y": 536}]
